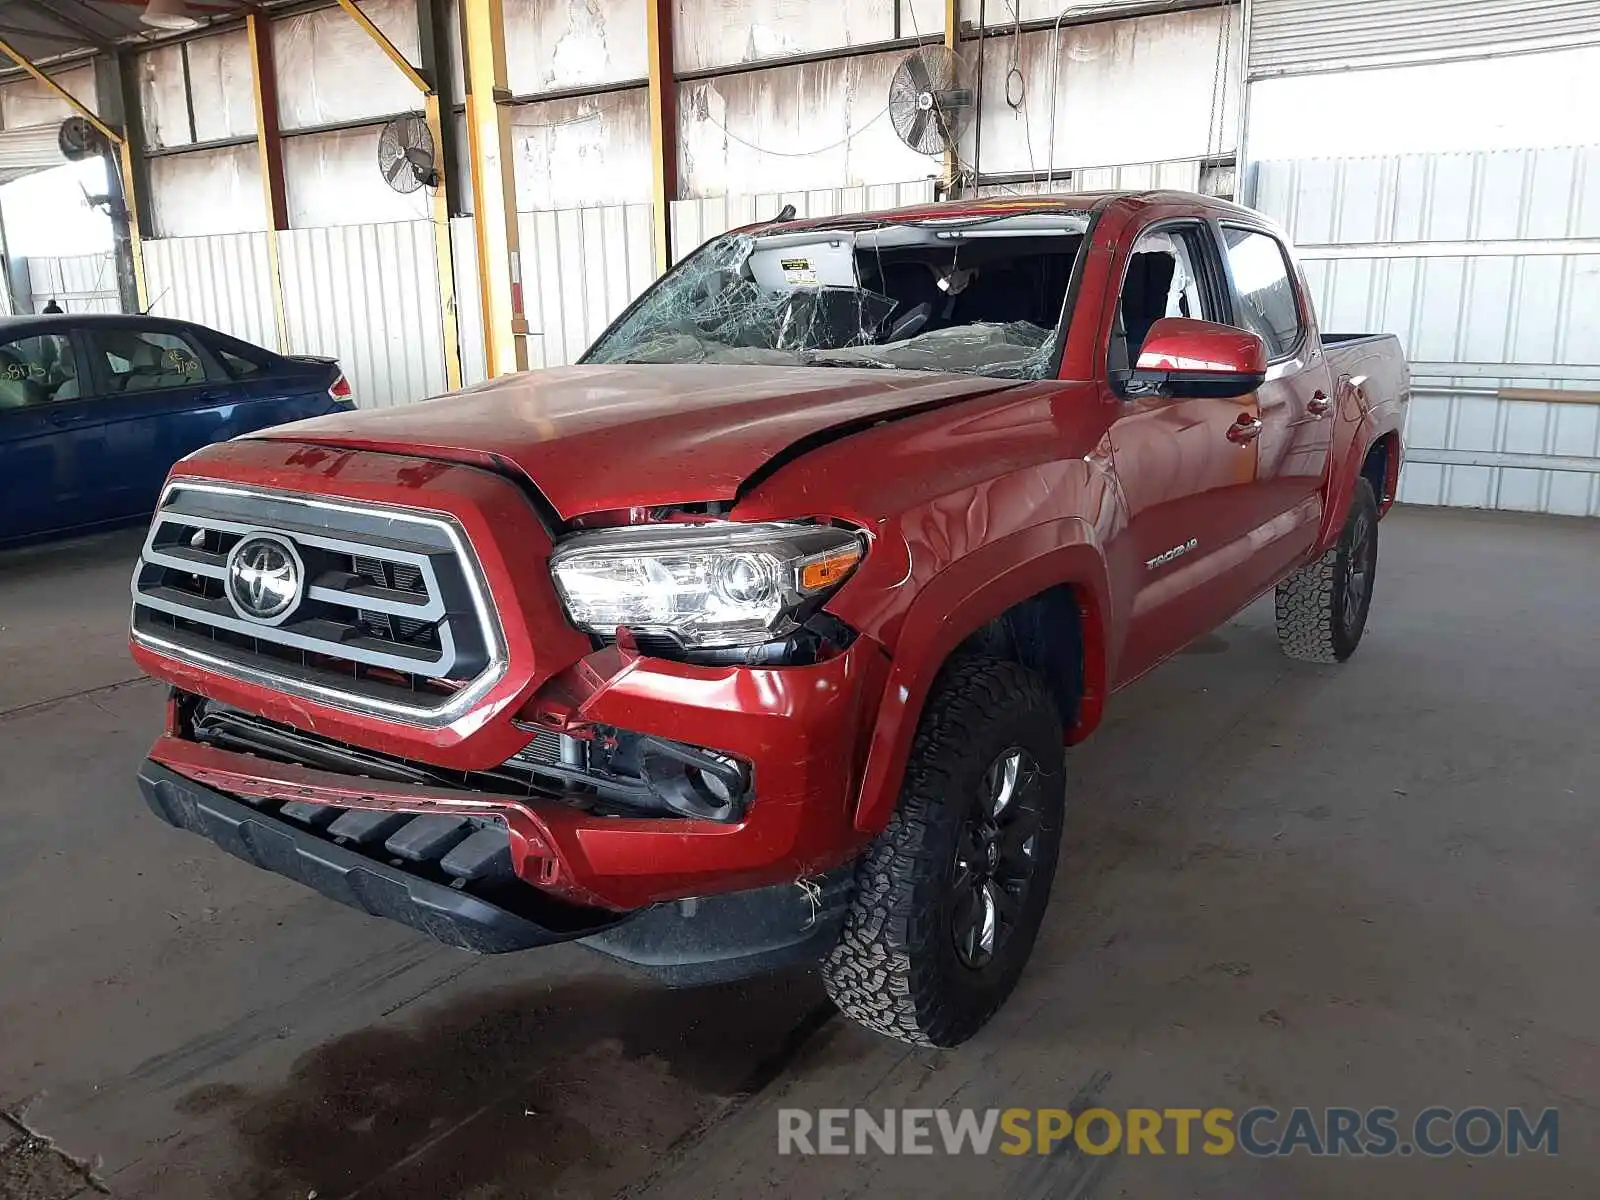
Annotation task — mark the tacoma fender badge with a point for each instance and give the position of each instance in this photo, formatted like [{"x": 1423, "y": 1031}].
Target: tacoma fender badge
[{"x": 1164, "y": 558}]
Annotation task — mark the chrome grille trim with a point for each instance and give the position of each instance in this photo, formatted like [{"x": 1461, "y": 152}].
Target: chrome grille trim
[{"x": 313, "y": 524}]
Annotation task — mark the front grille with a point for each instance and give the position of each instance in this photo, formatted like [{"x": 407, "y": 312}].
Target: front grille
[{"x": 392, "y": 615}]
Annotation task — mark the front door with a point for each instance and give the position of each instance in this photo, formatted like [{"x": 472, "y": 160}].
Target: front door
[
  {"x": 48, "y": 438},
  {"x": 1187, "y": 478}
]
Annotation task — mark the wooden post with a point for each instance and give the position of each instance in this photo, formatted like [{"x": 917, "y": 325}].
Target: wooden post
[
  {"x": 269, "y": 151},
  {"x": 663, "y": 127},
  {"x": 505, "y": 328}
]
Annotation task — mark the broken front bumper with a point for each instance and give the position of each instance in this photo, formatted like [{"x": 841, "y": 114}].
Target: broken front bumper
[
  {"x": 703, "y": 940},
  {"x": 255, "y": 833},
  {"x": 802, "y": 730}
]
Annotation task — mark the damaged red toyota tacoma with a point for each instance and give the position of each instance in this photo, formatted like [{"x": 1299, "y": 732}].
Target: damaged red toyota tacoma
[{"x": 758, "y": 635}]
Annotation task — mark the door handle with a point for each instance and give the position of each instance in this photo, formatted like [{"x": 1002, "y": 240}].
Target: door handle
[
  {"x": 1245, "y": 429},
  {"x": 1319, "y": 405}
]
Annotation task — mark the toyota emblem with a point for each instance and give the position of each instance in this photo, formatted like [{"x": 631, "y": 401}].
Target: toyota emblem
[{"x": 264, "y": 578}]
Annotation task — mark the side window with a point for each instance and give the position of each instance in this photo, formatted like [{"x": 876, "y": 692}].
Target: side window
[
  {"x": 1266, "y": 289},
  {"x": 238, "y": 366},
  {"x": 147, "y": 360},
  {"x": 41, "y": 369},
  {"x": 1162, "y": 280}
]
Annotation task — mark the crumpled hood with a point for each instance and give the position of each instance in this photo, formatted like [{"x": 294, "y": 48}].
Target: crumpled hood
[{"x": 604, "y": 437}]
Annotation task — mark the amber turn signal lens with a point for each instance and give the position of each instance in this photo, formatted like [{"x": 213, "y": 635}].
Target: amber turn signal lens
[{"x": 825, "y": 570}]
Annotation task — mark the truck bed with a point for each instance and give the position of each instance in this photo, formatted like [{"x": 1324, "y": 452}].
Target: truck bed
[{"x": 1375, "y": 360}]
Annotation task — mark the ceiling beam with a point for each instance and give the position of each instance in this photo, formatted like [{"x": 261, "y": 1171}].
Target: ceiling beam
[
  {"x": 52, "y": 13},
  {"x": 73, "y": 40}
]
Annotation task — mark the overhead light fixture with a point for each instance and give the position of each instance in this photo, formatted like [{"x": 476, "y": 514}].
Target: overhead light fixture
[{"x": 169, "y": 14}]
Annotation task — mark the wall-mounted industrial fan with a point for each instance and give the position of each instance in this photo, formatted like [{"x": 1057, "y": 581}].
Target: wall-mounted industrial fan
[
  {"x": 930, "y": 99},
  {"x": 78, "y": 139},
  {"x": 406, "y": 155}
]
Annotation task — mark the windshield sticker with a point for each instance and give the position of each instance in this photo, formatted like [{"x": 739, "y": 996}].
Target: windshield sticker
[{"x": 799, "y": 272}]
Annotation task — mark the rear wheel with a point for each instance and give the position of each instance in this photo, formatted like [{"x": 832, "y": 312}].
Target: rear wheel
[
  {"x": 1322, "y": 608},
  {"x": 949, "y": 898}
]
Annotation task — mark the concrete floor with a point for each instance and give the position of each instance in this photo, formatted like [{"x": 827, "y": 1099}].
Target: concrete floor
[{"x": 1288, "y": 885}]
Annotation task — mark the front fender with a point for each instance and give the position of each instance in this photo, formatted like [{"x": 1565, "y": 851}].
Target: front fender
[{"x": 957, "y": 601}]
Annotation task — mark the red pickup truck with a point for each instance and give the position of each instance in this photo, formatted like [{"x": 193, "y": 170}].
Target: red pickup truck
[{"x": 758, "y": 635}]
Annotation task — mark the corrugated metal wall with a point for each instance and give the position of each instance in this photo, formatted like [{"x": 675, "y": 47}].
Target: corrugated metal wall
[
  {"x": 1488, "y": 268},
  {"x": 1295, "y": 36},
  {"x": 469, "y": 303},
  {"x": 79, "y": 283},
  {"x": 580, "y": 268},
  {"x": 697, "y": 221},
  {"x": 220, "y": 281},
  {"x": 369, "y": 296}
]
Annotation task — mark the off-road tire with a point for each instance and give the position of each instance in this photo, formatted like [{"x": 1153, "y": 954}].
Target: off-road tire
[
  {"x": 1315, "y": 621},
  {"x": 895, "y": 968}
]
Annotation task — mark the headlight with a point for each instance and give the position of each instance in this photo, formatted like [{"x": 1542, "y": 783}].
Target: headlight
[{"x": 724, "y": 583}]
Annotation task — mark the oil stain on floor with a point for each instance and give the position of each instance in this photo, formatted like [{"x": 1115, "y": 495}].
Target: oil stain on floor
[{"x": 566, "y": 1091}]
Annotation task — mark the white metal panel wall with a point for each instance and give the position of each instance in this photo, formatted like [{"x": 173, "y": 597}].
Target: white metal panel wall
[
  {"x": 469, "y": 303},
  {"x": 1137, "y": 90},
  {"x": 715, "y": 33},
  {"x": 795, "y": 126},
  {"x": 698, "y": 221},
  {"x": 587, "y": 150},
  {"x": 1182, "y": 175},
  {"x": 79, "y": 282},
  {"x": 1294, "y": 36},
  {"x": 369, "y": 296},
  {"x": 580, "y": 268},
  {"x": 1488, "y": 268},
  {"x": 220, "y": 281},
  {"x": 552, "y": 45}
]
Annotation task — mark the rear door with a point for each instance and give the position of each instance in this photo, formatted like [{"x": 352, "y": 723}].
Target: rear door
[
  {"x": 163, "y": 395},
  {"x": 1295, "y": 404},
  {"x": 1189, "y": 487}
]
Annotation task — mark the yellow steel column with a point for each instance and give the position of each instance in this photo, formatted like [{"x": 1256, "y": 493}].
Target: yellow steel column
[
  {"x": 443, "y": 250},
  {"x": 269, "y": 151},
  {"x": 952, "y": 41},
  {"x": 663, "y": 127},
  {"x": 130, "y": 201},
  {"x": 494, "y": 205},
  {"x": 124, "y": 161}
]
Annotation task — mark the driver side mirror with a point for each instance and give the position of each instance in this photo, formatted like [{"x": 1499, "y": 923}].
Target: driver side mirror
[{"x": 1203, "y": 360}]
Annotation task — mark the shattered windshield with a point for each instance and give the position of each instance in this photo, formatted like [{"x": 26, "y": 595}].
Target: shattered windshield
[{"x": 982, "y": 296}]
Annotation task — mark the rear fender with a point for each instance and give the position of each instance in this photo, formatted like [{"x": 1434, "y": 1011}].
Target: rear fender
[
  {"x": 960, "y": 600},
  {"x": 1353, "y": 436}
]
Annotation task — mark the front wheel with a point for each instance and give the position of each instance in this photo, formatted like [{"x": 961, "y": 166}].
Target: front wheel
[
  {"x": 950, "y": 896},
  {"x": 1322, "y": 608}
]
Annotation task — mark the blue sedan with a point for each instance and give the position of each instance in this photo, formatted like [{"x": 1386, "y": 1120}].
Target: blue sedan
[{"x": 95, "y": 408}]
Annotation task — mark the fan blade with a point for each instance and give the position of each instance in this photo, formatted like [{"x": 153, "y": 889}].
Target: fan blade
[
  {"x": 902, "y": 92},
  {"x": 391, "y": 172},
  {"x": 917, "y": 72},
  {"x": 919, "y": 127}
]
